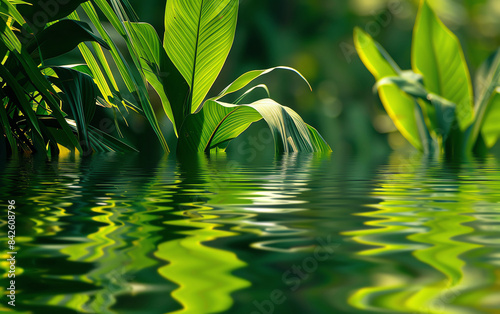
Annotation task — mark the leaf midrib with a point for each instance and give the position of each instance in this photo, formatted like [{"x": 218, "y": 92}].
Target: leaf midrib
[{"x": 195, "y": 56}]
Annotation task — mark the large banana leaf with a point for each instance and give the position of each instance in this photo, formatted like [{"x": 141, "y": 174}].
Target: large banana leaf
[
  {"x": 399, "y": 106},
  {"x": 198, "y": 37},
  {"x": 80, "y": 93},
  {"x": 217, "y": 123},
  {"x": 438, "y": 56}
]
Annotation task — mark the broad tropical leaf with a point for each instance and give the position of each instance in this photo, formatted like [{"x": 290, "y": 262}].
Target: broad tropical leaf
[
  {"x": 217, "y": 123},
  {"x": 399, "y": 106},
  {"x": 438, "y": 56},
  {"x": 198, "y": 37}
]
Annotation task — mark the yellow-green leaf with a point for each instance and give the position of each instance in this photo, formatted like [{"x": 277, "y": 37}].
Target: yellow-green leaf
[
  {"x": 198, "y": 37},
  {"x": 399, "y": 106},
  {"x": 438, "y": 56}
]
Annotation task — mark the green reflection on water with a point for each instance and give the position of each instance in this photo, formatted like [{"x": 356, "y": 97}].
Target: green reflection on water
[
  {"x": 432, "y": 207},
  {"x": 211, "y": 235}
]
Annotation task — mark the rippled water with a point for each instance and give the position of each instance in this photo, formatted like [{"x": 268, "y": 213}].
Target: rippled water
[{"x": 300, "y": 234}]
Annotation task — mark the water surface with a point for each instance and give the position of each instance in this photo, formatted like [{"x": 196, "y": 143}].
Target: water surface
[{"x": 296, "y": 234}]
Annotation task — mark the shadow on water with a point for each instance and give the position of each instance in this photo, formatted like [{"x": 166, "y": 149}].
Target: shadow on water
[{"x": 214, "y": 234}]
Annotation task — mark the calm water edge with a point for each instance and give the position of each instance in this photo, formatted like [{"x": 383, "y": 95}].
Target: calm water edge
[{"x": 297, "y": 234}]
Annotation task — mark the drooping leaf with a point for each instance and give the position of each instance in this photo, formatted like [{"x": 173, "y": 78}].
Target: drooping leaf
[
  {"x": 198, "y": 37},
  {"x": 61, "y": 38},
  {"x": 399, "y": 106},
  {"x": 438, "y": 56},
  {"x": 245, "y": 79},
  {"x": 217, "y": 123},
  {"x": 444, "y": 109},
  {"x": 79, "y": 94}
]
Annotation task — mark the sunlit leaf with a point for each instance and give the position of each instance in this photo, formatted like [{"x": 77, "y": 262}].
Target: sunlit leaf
[
  {"x": 245, "y": 79},
  {"x": 219, "y": 122},
  {"x": 438, "y": 56},
  {"x": 198, "y": 37},
  {"x": 399, "y": 106}
]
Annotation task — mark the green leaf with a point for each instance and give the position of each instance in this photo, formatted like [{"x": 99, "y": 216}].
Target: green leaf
[
  {"x": 41, "y": 12},
  {"x": 160, "y": 72},
  {"x": 444, "y": 109},
  {"x": 19, "y": 98},
  {"x": 4, "y": 122},
  {"x": 399, "y": 106},
  {"x": 247, "y": 78},
  {"x": 490, "y": 126},
  {"x": 136, "y": 87},
  {"x": 217, "y": 123},
  {"x": 80, "y": 93},
  {"x": 198, "y": 37},
  {"x": 105, "y": 142},
  {"x": 9, "y": 10},
  {"x": 61, "y": 38},
  {"x": 487, "y": 106},
  {"x": 101, "y": 141},
  {"x": 438, "y": 56},
  {"x": 8, "y": 37}
]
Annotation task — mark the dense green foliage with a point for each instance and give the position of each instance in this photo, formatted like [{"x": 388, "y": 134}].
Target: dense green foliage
[
  {"x": 45, "y": 106},
  {"x": 182, "y": 70},
  {"x": 198, "y": 37},
  {"x": 433, "y": 105}
]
